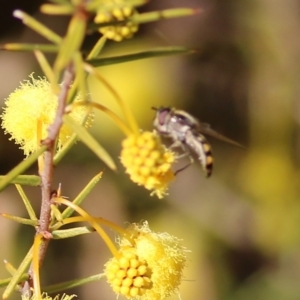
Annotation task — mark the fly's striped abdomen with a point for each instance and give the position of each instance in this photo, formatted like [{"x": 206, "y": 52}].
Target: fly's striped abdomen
[{"x": 198, "y": 143}]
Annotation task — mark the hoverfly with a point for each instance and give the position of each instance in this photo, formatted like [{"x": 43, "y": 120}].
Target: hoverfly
[{"x": 187, "y": 133}]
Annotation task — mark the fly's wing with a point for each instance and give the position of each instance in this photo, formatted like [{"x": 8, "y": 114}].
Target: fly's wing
[
  {"x": 198, "y": 144},
  {"x": 206, "y": 129}
]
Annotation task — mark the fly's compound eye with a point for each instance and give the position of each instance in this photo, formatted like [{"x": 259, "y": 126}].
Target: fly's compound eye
[{"x": 162, "y": 115}]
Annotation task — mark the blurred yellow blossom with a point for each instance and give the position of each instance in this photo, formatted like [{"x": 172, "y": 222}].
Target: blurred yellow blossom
[
  {"x": 149, "y": 269},
  {"x": 29, "y": 111},
  {"x": 148, "y": 162},
  {"x": 118, "y": 32}
]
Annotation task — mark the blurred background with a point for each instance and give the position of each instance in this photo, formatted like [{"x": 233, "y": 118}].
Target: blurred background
[{"x": 242, "y": 225}]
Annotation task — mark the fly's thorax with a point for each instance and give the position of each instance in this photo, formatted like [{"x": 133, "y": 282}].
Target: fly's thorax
[
  {"x": 178, "y": 130},
  {"x": 183, "y": 118}
]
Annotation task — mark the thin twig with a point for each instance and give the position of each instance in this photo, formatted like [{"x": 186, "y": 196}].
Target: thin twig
[
  {"x": 47, "y": 172},
  {"x": 53, "y": 132}
]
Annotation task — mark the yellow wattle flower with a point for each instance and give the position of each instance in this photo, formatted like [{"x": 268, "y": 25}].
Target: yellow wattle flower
[
  {"x": 148, "y": 162},
  {"x": 151, "y": 268},
  {"x": 118, "y": 32},
  {"x": 29, "y": 111}
]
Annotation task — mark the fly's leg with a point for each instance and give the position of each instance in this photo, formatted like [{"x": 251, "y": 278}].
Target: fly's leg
[
  {"x": 185, "y": 153},
  {"x": 177, "y": 144},
  {"x": 187, "y": 165}
]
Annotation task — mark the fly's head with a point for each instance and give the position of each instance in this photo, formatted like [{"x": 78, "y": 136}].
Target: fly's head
[
  {"x": 174, "y": 123},
  {"x": 162, "y": 121}
]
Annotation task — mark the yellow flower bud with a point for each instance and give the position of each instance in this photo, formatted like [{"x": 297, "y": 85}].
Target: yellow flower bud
[
  {"x": 148, "y": 162},
  {"x": 120, "y": 31}
]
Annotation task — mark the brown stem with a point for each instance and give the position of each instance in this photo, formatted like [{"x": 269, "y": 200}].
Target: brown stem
[
  {"x": 53, "y": 132},
  {"x": 47, "y": 172}
]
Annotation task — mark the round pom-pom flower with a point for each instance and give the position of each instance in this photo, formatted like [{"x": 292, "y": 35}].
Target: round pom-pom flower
[
  {"x": 120, "y": 31},
  {"x": 29, "y": 111},
  {"x": 149, "y": 269},
  {"x": 148, "y": 162}
]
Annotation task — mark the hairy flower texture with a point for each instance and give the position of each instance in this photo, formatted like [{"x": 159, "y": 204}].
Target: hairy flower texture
[
  {"x": 124, "y": 30},
  {"x": 30, "y": 109},
  {"x": 148, "y": 162},
  {"x": 151, "y": 269},
  {"x": 45, "y": 296}
]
